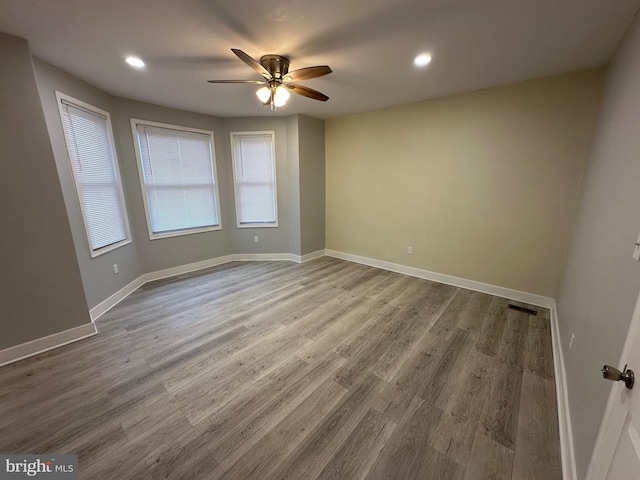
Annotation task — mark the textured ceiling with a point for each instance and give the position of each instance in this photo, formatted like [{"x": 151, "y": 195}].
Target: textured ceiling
[{"x": 370, "y": 45}]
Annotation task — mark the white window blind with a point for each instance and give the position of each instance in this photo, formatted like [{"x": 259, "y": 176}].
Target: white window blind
[
  {"x": 255, "y": 179},
  {"x": 178, "y": 175},
  {"x": 95, "y": 171}
]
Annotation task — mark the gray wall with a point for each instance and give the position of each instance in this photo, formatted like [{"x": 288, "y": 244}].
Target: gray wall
[
  {"x": 173, "y": 251},
  {"x": 97, "y": 273},
  {"x": 312, "y": 183},
  {"x": 272, "y": 239},
  {"x": 142, "y": 255},
  {"x": 293, "y": 161},
  {"x": 601, "y": 281},
  {"x": 41, "y": 288},
  {"x": 145, "y": 255}
]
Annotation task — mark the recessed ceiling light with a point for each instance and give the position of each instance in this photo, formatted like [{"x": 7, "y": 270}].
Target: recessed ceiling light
[
  {"x": 422, "y": 59},
  {"x": 135, "y": 62}
]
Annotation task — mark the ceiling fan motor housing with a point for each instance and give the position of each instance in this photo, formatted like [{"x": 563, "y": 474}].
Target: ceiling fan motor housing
[{"x": 277, "y": 65}]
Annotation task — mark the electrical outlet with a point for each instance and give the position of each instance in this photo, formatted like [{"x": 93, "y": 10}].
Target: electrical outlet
[
  {"x": 410, "y": 250},
  {"x": 256, "y": 239},
  {"x": 573, "y": 337},
  {"x": 115, "y": 269}
]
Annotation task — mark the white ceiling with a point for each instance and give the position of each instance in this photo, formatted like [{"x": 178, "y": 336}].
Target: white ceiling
[{"x": 369, "y": 44}]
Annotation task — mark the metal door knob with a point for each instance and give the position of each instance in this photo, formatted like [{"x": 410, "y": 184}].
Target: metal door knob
[{"x": 615, "y": 375}]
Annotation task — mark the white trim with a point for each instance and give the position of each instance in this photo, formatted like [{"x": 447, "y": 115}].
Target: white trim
[
  {"x": 128, "y": 289},
  {"x": 262, "y": 257},
  {"x": 214, "y": 170},
  {"x": 110, "y": 302},
  {"x": 564, "y": 415},
  {"x": 44, "y": 344},
  {"x": 107, "y": 304},
  {"x": 258, "y": 225},
  {"x": 19, "y": 352},
  {"x": 186, "y": 231},
  {"x": 131, "y": 287},
  {"x": 60, "y": 99},
  {"x": 182, "y": 269},
  {"x": 272, "y": 134},
  {"x": 312, "y": 256},
  {"x": 503, "y": 292}
]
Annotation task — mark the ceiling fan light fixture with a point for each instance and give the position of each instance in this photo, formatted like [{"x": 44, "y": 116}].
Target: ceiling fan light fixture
[
  {"x": 281, "y": 96},
  {"x": 264, "y": 94},
  {"x": 277, "y": 77}
]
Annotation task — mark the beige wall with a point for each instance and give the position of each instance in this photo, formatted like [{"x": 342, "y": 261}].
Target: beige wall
[{"x": 483, "y": 185}]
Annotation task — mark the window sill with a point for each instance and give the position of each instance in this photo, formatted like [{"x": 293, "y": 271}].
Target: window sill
[
  {"x": 110, "y": 248},
  {"x": 258, "y": 225},
  {"x": 180, "y": 233}
]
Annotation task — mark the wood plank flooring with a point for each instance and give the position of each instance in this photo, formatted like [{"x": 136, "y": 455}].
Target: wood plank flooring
[{"x": 274, "y": 370}]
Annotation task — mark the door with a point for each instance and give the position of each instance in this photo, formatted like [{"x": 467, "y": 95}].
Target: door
[{"x": 617, "y": 452}]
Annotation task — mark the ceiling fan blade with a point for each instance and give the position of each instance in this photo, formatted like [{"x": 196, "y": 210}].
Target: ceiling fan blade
[
  {"x": 307, "y": 92},
  {"x": 252, "y": 62},
  {"x": 307, "y": 73},
  {"x": 253, "y": 82}
]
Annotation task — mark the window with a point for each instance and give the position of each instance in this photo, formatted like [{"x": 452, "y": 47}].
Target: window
[
  {"x": 254, "y": 175},
  {"x": 178, "y": 177},
  {"x": 92, "y": 154}
]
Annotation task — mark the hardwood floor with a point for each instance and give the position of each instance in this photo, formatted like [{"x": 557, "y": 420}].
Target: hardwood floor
[{"x": 274, "y": 370}]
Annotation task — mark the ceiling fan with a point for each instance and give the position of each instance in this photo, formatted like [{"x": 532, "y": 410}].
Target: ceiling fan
[{"x": 278, "y": 80}]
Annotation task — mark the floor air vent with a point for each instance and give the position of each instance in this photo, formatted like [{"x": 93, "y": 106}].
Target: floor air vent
[{"x": 528, "y": 311}]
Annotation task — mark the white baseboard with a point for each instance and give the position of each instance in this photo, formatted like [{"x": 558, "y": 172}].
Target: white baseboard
[
  {"x": 503, "y": 292},
  {"x": 263, "y": 257},
  {"x": 313, "y": 255},
  {"x": 25, "y": 350},
  {"x": 50, "y": 342},
  {"x": 41, "y": 345},
  {"x": 108, "y": 303},
  {"x": 564, "y": 415},
  {"x": 181, "y": 269},
  {"x": 128, "y": 289}
]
